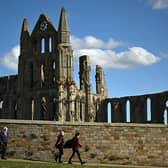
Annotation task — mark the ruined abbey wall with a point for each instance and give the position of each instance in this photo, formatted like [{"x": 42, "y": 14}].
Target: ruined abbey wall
[
  {"x": 136, "y": 144},
  {"x": 138, "y": 107}
]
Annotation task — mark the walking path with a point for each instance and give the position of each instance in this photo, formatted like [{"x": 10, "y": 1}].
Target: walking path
[{"x": 95, "y": 164}]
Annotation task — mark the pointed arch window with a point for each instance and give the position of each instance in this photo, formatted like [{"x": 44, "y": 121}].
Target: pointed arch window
[
  {"x": 1, "y": 104},
  {"x": 43, "y": 45},
  {"x": 32, "y": 108},
  {"x": 148, "y": 101},
  {"x": 54, "y": 65},
  {"x": 128, "y": 112},
  {"x": 109, "y": 112},
  {"x": 165, "y": 115},
  {"x": 42, "y": 75},
  {"x": 50, "y": 44}
]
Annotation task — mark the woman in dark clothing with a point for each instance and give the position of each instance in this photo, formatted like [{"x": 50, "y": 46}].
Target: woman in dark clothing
[
  {"x": 75, "y": 148},
  {"x": 60, "y": 145}
]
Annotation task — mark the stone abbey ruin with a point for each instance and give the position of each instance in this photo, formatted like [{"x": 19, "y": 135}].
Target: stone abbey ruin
[{"x": 44, "y": 88}]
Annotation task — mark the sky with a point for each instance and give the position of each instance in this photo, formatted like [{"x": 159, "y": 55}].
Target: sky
[{"x": 128, "y": 38}]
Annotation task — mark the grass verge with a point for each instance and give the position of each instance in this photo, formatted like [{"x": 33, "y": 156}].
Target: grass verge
[{"x": 28, "y": 164}]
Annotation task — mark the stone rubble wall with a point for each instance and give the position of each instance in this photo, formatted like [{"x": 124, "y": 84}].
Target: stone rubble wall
[{"x": 137, "y": 144}]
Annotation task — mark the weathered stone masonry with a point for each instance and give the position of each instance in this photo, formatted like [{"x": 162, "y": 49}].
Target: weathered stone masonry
[
  {"x": 44, "y": 88},
  {"x": 138, "y": 108},
  {"x": 140, "y": 144}
]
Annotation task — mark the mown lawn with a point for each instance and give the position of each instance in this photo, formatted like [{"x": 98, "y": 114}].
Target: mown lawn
[{"x": 27, "y": 164}]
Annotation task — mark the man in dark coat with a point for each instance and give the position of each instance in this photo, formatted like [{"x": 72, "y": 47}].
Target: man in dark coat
[
  {"x": 3, "y": 142},
  {"x": 75, "y": 148},
  {"x": 60, "y": 145}
]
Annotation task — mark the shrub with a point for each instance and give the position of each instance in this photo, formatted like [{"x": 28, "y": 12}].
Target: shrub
[
  {"x": 44, "y": 137},
  {"x": 33, "y": 136},
  {"x": 93, "y": 155},
  {"x": 11, "y": 153},
  {"x": 87, "y": 148},
  {"x": 112, "y": 157}
]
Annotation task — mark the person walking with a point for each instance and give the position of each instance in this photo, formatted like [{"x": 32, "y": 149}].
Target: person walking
[
  {"x": 60, "y": 146},
  {"x": 75, "y": 148},
  {"x": 3, "y": 142}
]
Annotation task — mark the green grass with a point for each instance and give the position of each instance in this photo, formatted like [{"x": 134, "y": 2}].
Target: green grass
[{"x": 28, "y": 164}]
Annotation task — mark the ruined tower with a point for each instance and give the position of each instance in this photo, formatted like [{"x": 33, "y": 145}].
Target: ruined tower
[{"x": 44, "y": 87}]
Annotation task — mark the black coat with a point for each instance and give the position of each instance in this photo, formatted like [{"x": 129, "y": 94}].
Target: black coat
[
  {"x": 3, "y": 138},
  {"x": 60, "y": 141}
]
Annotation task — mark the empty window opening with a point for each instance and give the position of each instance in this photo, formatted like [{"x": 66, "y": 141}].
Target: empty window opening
[
  {"x": 50, "y": 44},
  {"x": 128, "y": 112},
  {"x": 166, "y": 113},
  {"x": 43, "y": 45},
  {"x": 109, "y": 111},
  {"x": 148, "y": 109},
  {"x": 43, "y": 108},
  {"x": 54, "y": 65},
  {"x": 42, "y": 75},
  {"x": 54, "y": 79},
  {"x": 1, "y": 104},
  {"x": 32, "y": 109}
]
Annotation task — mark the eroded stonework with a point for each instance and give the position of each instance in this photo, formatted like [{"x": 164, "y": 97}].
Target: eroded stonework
[{"x": 44, "y": 88}]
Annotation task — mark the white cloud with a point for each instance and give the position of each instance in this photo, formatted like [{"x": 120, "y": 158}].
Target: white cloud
[
  {"x": 10, "y": 59},
  {"x": 93, "y": 42},
  {"x": 159, "y": 4},
  {"x": 102, "y": 53}
]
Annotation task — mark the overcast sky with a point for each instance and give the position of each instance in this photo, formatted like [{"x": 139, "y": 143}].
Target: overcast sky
[{"x": 129, "y": 38}]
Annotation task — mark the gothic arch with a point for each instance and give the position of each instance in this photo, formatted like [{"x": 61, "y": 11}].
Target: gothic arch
[
  {"x": 43, "y": 45},
  {"x": 50, "y": 44},
  {"x": 148, "y": 107},
  {"x": 128, "y": 110},
  {"x": 166, "y": 112},
  {"x": 109, "y": 112}
]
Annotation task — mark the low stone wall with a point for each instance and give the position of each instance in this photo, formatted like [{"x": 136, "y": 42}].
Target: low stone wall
[{"x": 138, "y": 144}]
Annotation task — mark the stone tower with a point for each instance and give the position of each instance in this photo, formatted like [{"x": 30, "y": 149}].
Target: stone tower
[{"x": 45, "y": 87}]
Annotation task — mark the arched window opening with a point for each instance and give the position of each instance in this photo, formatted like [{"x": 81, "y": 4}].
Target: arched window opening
[
  {"x": 15, "y": 110},
  {"x": 32, "y": 109},
  {"x": 166, "y": 113},
  {"x": 54, "y": 79},
  {"x": 148, "y": 102},
  {"x": 1, "y": 104},
  {"x": 42, "y": 75},
  {"x": 43, "y": 45},
  {"x": 54, "y": 65},
  {"x": 50, "y": 44},
  {"x": 43, "y": 108},
  {"x": 109, "y": 111},
  {"x": 128, "y": 112}
]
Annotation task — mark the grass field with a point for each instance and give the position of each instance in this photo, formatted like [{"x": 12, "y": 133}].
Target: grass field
[{"x": 27, "y": 164}]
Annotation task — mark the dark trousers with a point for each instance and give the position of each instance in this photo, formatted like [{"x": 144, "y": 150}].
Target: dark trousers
[
  {"x": 3, "y": 151},
  {"x": 73, "y": 153},
  {"x": 61, "y": 152}
]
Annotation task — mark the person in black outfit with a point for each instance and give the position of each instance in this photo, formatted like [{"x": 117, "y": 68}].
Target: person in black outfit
[
  {"x": 75, "y": 148},
  {"x": 3, "y": 142},
  {"x": 60, "y": 145}
]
